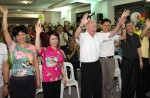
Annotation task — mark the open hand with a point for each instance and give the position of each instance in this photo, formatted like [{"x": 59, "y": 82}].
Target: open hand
[
  {"x": 125, "y": 13},
  {"x": 38, "y": 28},
  {"x": 147, "y": 21},
  {"x": 141, "y": 64},
  {"x": 85, "y": 20},
  {"x": 65, "y": 81},
  {"x": 5, "y": 90},
  {"x": 3, "y": 10}
]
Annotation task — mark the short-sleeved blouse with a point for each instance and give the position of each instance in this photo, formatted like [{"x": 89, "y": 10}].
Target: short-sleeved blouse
[
  {"x": 52, "y": 63},
  {"x": 22, "y": 59}
]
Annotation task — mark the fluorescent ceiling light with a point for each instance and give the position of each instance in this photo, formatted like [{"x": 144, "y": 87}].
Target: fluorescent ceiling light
[{"x": 27, "y": 2}]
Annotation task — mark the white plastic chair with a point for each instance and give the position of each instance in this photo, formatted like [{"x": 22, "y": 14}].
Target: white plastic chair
[
  {"x": 71, "y": 81},
  {"x": 117, "y": 70}
]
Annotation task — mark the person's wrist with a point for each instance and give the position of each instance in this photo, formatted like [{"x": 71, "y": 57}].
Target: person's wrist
[
  {"x": 63, "y": 75},
  {"x": 6, "y": 83},
  {"x": 140, "y": 59},
  {"x": 81, "y": 25}
]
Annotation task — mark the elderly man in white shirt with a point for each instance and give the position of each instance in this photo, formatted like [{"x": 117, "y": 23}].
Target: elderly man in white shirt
[
  {"x": 4, "y": 71},
  {"x": 90, "y": 42}
]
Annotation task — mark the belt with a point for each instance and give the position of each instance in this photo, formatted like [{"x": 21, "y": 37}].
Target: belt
[
  {"x": 145, "y": 59},
  {"x": 136, "y": 59},
  {"x": 107, "y": 57}
]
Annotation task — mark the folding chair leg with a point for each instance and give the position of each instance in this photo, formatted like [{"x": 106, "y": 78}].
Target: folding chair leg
[
  {"x": 62, "y": 92},
  {"x": 78, "y": 91},
  {"x": 119, "y": 81},
  {"x": 69, "y": 88}
]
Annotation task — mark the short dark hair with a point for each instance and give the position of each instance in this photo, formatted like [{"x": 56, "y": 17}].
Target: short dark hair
[
  {"x": 105, "y": 20},
  {"x": 127, "y": 22},
  {"x": 49, "y": 34},
  {"x": 59, "y": 26},
  {"x": 17, "y": 29}
]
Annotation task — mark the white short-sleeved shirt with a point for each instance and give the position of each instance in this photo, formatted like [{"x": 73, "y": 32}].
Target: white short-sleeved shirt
[
  {"x": 3, "y": 57},
  {"x": 62, "y": 37},
  {"x": 90, "y": 46},
  {"x": 107, "y": 46}
]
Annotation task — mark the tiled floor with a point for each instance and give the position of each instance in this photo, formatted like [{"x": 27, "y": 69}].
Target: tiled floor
[{"x": 116, "y": 94}]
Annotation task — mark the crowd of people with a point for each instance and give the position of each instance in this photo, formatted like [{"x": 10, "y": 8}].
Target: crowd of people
[{"x": 89, "y": 44}]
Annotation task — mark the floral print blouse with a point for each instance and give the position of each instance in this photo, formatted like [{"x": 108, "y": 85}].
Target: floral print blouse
[
  {"x": 52, "y": 63},
  {"x": 22, "y": 59}
]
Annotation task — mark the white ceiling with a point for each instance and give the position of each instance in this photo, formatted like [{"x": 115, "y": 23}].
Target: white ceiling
[
  {"x": 17, "y": 7},
  {"x": 28, "y": 6}
]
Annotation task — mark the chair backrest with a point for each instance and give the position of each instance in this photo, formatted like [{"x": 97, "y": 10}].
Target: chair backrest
[
  {"x": 116, "y": 57},
  {"x": 69, "y": 66}
]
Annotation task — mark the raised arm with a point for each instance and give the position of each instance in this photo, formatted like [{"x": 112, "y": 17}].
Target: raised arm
[
  {"x": 120, "y": 22},
  {"x": 7, "y": 36},
  {"x": 123, "y": 33},
  {"x": 83, "y": 23},
  {"x": 38, "y": 29},
  {"x": 144, "y": 32}
]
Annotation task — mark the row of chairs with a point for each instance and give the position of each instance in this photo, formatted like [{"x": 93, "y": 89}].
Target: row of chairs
[{"x": 73, "y": 82}]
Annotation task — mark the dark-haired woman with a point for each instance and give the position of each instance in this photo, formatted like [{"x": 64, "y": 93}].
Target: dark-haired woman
[
  {"x": 63, "y": 37},
  {"x": 52, "y": 67},
  {"x": 24, "y": 71}
]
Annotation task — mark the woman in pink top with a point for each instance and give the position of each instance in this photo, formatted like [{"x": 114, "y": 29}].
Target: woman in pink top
[{"x": 52, "y": 67}]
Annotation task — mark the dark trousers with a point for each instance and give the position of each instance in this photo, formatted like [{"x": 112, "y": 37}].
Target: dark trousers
[
  {"x": 22, "y": 87},
  {"x": 129, "y": 75},
  {"x": 51, "y": 89},
  {"x": 75, "y": 66},
  {"x": 91, "y": 80},
  {"x": 144, "y": 79}
]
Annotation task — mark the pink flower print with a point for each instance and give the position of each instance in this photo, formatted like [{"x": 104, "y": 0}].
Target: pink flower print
[
  {"x": 56, "y": 78},
  {"x": 56, "y": 68},
  {"x": 51, "y": 79},
  {"x": 19, "y": 54},
  {"x": 48, "y": 74}
]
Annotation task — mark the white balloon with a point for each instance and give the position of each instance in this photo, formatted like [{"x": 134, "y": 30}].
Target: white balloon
[{"x": 135, "y": 17}]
